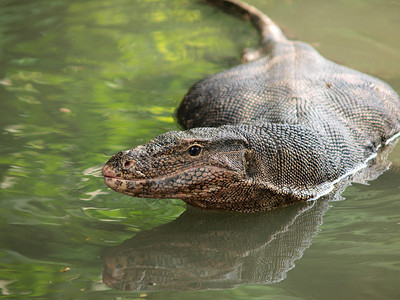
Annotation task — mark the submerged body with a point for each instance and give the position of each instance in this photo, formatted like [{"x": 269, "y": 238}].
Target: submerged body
[{"x": 282, "y": 128}]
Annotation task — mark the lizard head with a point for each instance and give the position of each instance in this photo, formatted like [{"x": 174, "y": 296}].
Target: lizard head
[{"x": 195, "y": 165}]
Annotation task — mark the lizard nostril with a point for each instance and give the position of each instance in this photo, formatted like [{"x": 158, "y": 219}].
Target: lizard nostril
[{"x": 128, "y": 164}]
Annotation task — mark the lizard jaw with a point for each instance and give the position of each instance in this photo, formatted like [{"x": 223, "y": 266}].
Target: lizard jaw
[{"x": 172, "y": 185}]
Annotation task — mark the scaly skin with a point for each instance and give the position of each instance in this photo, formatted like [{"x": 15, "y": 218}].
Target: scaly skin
[
  {"x": 281, "y": 129},
  {"x": 241, "y": 168},
  {"x": 163, "y": 168}
]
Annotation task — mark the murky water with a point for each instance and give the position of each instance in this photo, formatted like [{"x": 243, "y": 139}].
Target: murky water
[{"x": 81, "y": 80}]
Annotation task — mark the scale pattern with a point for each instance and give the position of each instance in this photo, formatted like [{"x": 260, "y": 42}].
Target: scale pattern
[
  {"x": 327, "y": 119},
  {"x": 296, "y": 85},
  {"x": 280, "y": 129}
]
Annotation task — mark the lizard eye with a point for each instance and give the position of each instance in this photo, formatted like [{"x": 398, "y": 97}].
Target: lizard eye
[{"x": 194, "y": 150}]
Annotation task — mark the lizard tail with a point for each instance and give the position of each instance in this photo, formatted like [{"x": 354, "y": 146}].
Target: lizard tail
[{"x": 269, "y": 31}]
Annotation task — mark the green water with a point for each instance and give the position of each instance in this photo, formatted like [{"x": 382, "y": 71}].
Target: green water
[{"x": 81, "y": 80}]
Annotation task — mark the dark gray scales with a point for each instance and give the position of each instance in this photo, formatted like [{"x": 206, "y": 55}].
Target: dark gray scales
[
  {"x": 282, "y": 128},
  {"x": 295, "y": 85}
]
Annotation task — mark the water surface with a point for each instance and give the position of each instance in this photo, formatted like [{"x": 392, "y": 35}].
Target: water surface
[{"x": 81, "y": 80}]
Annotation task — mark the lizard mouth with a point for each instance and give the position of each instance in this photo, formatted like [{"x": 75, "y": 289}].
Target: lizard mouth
[{"x": 196, "y": 180}]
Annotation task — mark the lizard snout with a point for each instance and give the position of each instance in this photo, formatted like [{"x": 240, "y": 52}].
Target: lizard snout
[{"x": 107, "y": 171}]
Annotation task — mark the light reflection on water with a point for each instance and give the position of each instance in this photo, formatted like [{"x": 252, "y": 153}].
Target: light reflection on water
[{"x": 80, "y": 81}]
